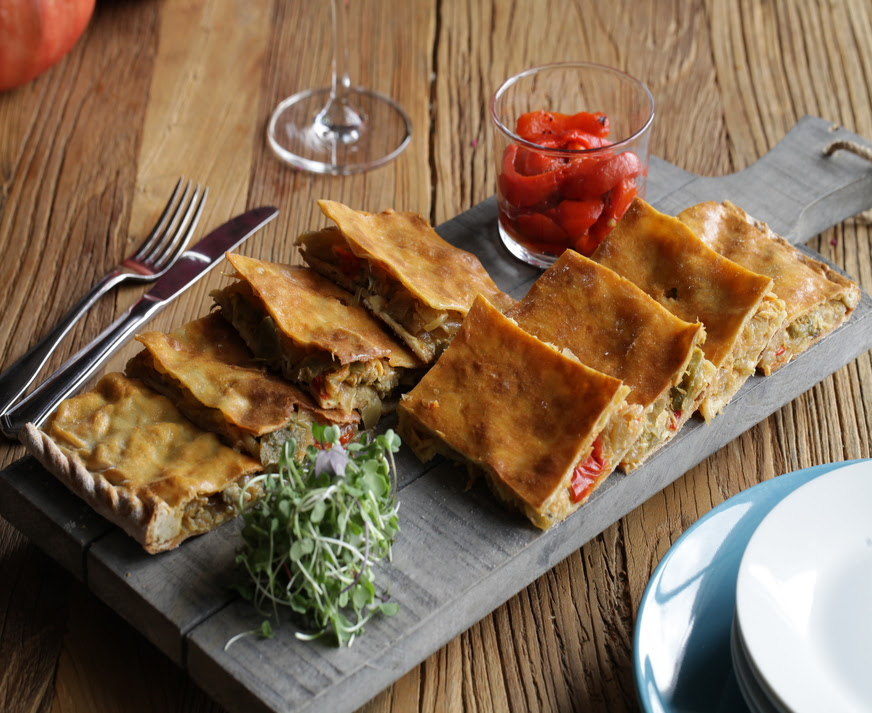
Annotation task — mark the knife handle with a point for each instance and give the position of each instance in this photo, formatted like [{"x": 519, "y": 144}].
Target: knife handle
[{"x": 37, "y": 405}]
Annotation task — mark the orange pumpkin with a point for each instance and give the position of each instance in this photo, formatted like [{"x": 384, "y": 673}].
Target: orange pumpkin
[{"x": 36, "y": 34}]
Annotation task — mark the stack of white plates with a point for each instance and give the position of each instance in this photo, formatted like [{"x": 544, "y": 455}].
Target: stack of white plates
[
  {"x": 765, "y": 603},
  {"x": 802, "y": 632}
]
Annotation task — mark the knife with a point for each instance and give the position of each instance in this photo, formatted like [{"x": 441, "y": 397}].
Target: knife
[{"x": 190, "y": 267}]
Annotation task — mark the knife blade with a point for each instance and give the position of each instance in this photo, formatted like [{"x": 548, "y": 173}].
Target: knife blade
[{"x": 190, "y": 267}]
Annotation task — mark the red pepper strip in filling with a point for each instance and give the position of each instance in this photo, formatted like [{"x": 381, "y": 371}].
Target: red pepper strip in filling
[
  {"x": 349, "y": 263},
  {"x": 319, "y": 385},
  {"x": 586, "y": 474},
  {"x": 344, "y": 440}
]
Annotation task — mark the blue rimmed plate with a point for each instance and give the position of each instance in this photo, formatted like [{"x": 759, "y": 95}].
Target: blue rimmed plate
[{"x": 681, "y": 649}]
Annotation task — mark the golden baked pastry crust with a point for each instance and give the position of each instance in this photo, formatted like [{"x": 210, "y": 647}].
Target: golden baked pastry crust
[
  {"x": 418, "y": 283},
  {"x": 316, "y": 314},
  {"x": 522, "y": 412},
  {"x": 817, "y": 298},
  {"x": 406, "y": 246},
  {"x": 612, "y": 326},
  {"x": 609, "y": 324},
  {"x": 664, "y": 257},
  {"x": 210, "y": 374},
  {"x": 315, "y": 334},
  {"x": 137, "y": 461}
]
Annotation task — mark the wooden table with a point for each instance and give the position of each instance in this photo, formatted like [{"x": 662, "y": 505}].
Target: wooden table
[{"x": 154, "y": 90}]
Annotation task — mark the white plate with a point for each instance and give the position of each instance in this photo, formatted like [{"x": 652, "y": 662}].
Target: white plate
[
  {"x": 681, "y": 648},
  {"x": 757, "y": 698},
  {"x": 804, "y": 595}
]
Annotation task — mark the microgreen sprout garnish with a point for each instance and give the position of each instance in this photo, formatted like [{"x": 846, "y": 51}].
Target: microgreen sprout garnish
[
  {"x": 264, "y": 631},
  {"x": 312, "y": 536}
]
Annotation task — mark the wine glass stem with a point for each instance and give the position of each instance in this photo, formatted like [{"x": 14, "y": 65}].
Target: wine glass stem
[{"x": 339, "y": 120}]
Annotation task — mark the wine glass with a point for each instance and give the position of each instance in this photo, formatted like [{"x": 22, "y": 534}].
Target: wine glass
[{"x": 338, "y": 129}]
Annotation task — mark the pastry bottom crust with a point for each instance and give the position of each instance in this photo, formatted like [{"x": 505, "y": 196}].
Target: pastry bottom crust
[{"x": 147, "y": 519}]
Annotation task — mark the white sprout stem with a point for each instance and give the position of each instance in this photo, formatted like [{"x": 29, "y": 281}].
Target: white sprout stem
[
  {"x": 340, "y": 543},
  {"x": 365, "y": 564},
  {"x": 234, "y": 639},
  {"x": 359, "y": 625},
  {"x": 317, "y": 587},
  {"x": 315, "y": 496}
]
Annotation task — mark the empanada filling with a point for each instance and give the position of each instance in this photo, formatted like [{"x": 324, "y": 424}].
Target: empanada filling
[
  {"x": 427, "y": 331},
  {"x": 358, "y": 385}
]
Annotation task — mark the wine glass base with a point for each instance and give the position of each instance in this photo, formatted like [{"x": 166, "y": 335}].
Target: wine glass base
[{"x": 298, "y": 137}]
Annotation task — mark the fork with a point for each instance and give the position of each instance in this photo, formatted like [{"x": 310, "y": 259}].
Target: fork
[{"x": 157, "y": 253}]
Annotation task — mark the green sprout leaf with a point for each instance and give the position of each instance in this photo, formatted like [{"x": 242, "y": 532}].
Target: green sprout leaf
[{"x": 315, "y": 530}]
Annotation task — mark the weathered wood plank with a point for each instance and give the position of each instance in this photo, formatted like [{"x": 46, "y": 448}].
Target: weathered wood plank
[
  {"x": 729, "y": 78},
  {"x": 449, "y": 576},
  {"x": 807, "y": 191},
  {"x": 33, "y": 613},
  {"x": 191, "y": 129},
  {"x": 460, "y": 556},
  {"x": 37, "y": 503},
  {"x": 165, "y": 596},
  {"x": 108, "y": 667},
  {"x": 79, "y": 155}
]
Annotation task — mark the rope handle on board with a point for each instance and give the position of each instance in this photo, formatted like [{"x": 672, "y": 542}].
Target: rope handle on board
[
  {"x": 852, "y": 146},
  {"x": 859, "y": 150}
]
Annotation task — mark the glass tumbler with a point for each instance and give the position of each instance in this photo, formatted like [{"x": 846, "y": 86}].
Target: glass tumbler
[{"x": 571, "y": 149}]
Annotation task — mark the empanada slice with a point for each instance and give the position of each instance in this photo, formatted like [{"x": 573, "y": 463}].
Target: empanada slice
[
  {"x": 213, "y": 378},
  {"x": 817, "y": 298},
  {"x": 402, "y": 270},
  {"x": 667, "y": 260},
  {"x": 544, "y": 429},
  {"x": 129, "y": 453},
  {"x": 612, "y": 326},
  {"x": 315, "y": 334}
]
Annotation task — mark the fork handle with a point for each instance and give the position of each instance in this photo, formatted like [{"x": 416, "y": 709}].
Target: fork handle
[
  {"x": 21, "y": 373},
  {"x": 42, "y": 401}
]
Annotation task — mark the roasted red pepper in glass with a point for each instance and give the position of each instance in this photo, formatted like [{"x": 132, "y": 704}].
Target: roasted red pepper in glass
[
  {"x": 522, "y": 190},
  {"x": 535, "y": 125},
  {"x": 552, "y": 201}
]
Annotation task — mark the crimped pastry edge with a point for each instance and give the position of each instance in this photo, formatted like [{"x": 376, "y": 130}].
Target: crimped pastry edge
[{"x": 150, "y": 521}]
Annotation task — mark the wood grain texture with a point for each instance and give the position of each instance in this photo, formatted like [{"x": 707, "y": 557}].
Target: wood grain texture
[
  {"x": 69, "y": 155},
  {"x": 460, "y": 555},
  {"x": 728, "y": 77}
]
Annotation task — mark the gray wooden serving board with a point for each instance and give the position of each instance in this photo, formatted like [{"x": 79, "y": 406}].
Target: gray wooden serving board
[{"x": 459, "y": 555}]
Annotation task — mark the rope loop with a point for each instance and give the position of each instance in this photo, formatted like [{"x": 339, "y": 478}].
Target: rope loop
[{"x": 852, "y": 146}]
